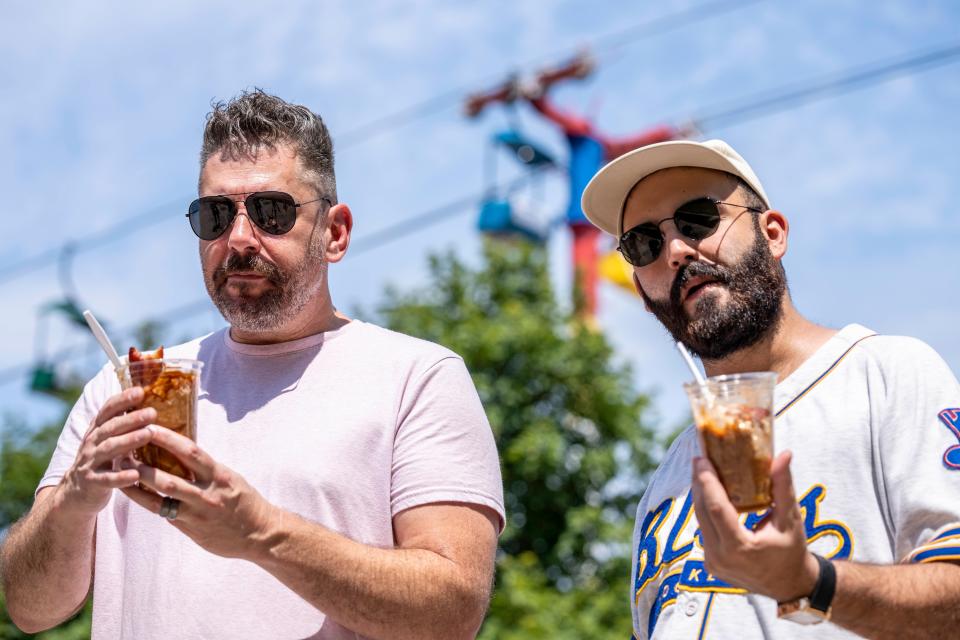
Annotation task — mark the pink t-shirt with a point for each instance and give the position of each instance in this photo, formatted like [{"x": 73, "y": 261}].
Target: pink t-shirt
[{"x": 346, "y": 428}]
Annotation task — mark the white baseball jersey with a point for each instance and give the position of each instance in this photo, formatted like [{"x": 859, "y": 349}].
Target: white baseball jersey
[{"x": 874, "y": 424}]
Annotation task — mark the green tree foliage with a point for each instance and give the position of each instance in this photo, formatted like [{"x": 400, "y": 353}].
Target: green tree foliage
[
  {"x": 570, "y": 431},
  {"x": 23, "y": 459}
]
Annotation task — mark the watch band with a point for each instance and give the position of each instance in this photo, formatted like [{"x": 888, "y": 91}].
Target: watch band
[{"x": 822, "y": 596}]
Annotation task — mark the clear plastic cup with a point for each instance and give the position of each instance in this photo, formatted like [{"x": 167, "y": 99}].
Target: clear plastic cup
[
  {"x": 171, "y": 387},
  {"x": 734, "y": 418}
]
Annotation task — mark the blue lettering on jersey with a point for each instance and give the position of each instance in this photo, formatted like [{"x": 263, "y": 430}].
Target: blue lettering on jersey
[
  {"x": 648, "y": 556},
  {"x": 695, "y": 577},
  {"x": 666, "y": 595},
  {"x": 692, "y": 574},
  {"x": 815, "y": 528},
  {"x": 951, "y": 418}
]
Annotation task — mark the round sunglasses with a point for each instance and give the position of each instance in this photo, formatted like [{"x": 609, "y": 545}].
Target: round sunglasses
[
  {"x": 274, "y": 212},
  {"x": 696, "y": 220}
]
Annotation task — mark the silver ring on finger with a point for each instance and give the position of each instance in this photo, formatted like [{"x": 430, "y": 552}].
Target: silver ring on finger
[{"x": 169, "y": 507}]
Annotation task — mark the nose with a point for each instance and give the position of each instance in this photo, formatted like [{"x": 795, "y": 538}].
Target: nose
[
  {"x": 242, "y": 236},
  {"x": 676, "y": 247}
]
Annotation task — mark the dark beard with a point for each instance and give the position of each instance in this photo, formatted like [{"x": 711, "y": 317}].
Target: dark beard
[{"x": 756, "y": 284}]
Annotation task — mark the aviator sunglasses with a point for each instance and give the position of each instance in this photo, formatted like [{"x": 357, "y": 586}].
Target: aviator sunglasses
[
  {"x": 696, "y": 220},
  {"x": 274, "y": 212}
]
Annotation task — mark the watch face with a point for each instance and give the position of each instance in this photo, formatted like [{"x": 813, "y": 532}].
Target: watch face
[
  {"x": 805, "y": 616},
  {"x": 801, "y": 612}
]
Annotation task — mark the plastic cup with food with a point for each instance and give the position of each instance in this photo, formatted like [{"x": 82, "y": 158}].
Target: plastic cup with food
[
  {"x": 734, "y": 419},
  {"x": 171, "y": 387}
]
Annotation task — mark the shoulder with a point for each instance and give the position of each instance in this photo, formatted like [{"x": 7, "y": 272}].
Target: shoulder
[
  {"x": 684, "y": 446},
  {"x": 900, "y": 367},
  {"x": 101, "y": 386},
  {"x": 397, "y": 347},
  {"x": 901, "y": 357},
  {"x": 900, "y": 351},
  {"x": 672, "y": 476}
]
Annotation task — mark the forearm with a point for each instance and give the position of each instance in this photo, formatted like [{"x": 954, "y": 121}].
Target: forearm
[
  {"x": 46, "y": 564},
  {"x": 899, "y": 601},
  {"x": 380, "y": 593}
]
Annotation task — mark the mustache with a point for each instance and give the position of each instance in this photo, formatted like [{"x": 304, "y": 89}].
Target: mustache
[
  {"x": 694, "y": 270},
  {"x": 236, "y": 263}
]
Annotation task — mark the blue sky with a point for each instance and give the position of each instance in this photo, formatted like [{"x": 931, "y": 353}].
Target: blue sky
[{"x": 103, "y": 107}]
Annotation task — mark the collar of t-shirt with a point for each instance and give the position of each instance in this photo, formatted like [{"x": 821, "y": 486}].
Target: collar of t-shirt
[{"x": 278, "y": 348}]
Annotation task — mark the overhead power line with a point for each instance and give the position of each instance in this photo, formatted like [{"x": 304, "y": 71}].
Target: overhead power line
[
  {"x": 353, "y": 137},
  {"x": 374, "y": 240},
  {"x": 601, "y": 44},
  {"x": 115, "y": 232},
  {"x": 790, "y": 97}
]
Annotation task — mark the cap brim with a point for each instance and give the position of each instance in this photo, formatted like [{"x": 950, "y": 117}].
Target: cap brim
[{"x": 607, "y": 192}]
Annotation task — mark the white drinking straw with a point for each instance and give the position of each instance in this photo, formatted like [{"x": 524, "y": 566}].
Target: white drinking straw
[
  {"x": 694, "y": 369},
  {"x": 102, "y": 338}
]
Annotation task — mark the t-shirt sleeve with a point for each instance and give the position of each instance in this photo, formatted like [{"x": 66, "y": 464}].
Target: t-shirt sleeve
[
  {"x": 81, "y": 416},
  {"x": 444, "y": 449},
  {"x": 919, "y": 446}
]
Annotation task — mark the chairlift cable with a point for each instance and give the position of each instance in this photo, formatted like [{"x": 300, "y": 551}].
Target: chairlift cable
[
  {"x": 608, "y": 42},
  {"x": 791, "y": 97}
]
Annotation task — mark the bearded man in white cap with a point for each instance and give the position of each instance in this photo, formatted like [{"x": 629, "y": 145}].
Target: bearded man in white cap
[{"x": 864, "y": 531}]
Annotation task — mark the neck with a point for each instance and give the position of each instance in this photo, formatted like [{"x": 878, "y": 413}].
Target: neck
[
  {"x": 317, "y": 316},
  {"x": 792, "y": 341}
]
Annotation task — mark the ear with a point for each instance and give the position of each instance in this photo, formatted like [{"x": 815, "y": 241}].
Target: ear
[
  {"x": 775, "y": 228},
  {"x": 338, "y": 228},
  {"x": 639, "y": 288}
]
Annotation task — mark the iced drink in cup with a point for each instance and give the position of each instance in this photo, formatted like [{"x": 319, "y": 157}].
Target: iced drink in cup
[
  {"x": 734, "y": 418},
  {"x": 171, "y": 387}
]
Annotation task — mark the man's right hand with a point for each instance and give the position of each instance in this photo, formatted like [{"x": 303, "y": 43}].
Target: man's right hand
[{"x": 117, "y": 431}]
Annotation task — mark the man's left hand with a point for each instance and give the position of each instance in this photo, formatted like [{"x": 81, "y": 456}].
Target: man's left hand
[
  {"x": 772, "y": 559},
  {"x": 219, "y": 511}
]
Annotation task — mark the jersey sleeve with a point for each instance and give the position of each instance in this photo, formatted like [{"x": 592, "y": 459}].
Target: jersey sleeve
[
  {"x": 81, "y": 416},
  {"x": 919, "y": 452},
  {"x": 444, "y": 449}
]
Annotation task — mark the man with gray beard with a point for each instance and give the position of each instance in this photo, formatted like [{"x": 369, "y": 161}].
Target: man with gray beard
[
  {"x": 864, "y": 531},
  {"x": 345, "y": 479}
]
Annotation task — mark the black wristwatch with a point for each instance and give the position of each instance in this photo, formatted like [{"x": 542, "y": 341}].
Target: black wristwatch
[{"x": 817, "y": 606}]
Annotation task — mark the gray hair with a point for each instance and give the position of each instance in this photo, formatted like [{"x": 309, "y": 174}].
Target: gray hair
[{"x": 256, "y": 120}]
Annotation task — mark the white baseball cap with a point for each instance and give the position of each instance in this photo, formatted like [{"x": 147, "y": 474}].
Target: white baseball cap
[{"x": 607, "y": 192}]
